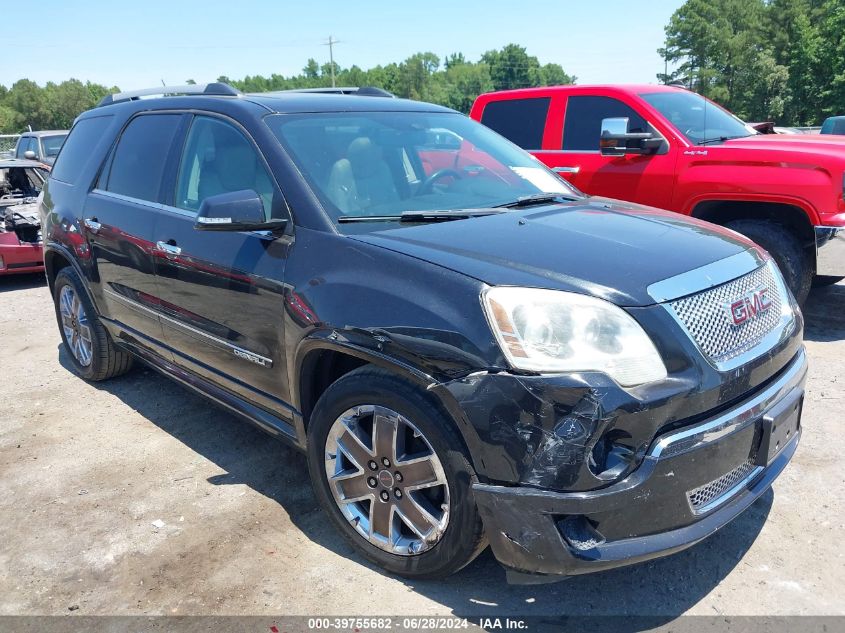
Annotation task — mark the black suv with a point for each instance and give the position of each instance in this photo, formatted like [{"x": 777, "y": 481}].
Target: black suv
[{"x": 469, "y": 350}]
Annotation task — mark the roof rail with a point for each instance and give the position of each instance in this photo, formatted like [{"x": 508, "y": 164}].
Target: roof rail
[
  {"x": 218, "y": 89},
  {"x": 363, "y": 91}
]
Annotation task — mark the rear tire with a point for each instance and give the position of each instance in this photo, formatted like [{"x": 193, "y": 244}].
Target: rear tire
[
  {"x": 91, "y": 351},
  {"x": 355, "y": 401},
  {"x": 792, "y": 259}
]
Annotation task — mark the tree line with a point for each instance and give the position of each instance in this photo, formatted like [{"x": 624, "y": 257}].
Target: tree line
[
  {"x": 51, "y": 107},
  {"x": 453, "y": 82},
  {"x": 765, "y": 60}
]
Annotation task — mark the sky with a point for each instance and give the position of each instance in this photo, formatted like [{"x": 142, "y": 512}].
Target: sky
[{"x": 138, "y": 44}]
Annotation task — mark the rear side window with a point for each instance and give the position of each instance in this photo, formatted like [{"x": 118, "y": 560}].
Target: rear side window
[
  {"x": 139, "y": 159},
  {"x": 77, "y": 149},
  {"x": 521, "y": 121},
  {"x": 582, "y": 125}
]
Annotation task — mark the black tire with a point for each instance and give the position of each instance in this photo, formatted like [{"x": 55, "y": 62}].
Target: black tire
[
  {"x": 107, "y": 360},
  {"x": 820, "y": 281},
  {"x": 793, "y": 260},
  {"x": 463, "y": 538}
]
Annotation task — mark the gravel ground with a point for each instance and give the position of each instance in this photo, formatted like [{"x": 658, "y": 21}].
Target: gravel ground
[{"x": 137, "y": 497}]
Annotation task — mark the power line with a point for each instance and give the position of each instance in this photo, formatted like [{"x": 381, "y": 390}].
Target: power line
[{"x": 330, "y": 43}]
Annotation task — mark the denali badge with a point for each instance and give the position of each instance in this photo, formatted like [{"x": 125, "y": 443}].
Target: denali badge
[
  {"x": 747, "y": 307},
  {"x": 253, "y": 358}
]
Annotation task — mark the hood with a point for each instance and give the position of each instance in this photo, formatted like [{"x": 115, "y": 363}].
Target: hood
[
  {"x": 605, "y": 248},
  {"x": 827, "y": 144}
]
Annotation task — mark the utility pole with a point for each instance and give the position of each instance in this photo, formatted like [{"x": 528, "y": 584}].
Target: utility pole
[{"x": 330, "y": 43}]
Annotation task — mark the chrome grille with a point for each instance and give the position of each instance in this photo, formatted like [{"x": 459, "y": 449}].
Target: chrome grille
[
  {"x": 706, "y": 316},
  {"x": 711, "y": 494}
]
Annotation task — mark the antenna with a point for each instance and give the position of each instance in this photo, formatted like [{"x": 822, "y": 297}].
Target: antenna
[
  {"x": 703, "y": 96},
  {"x": 330, "y": 43}
]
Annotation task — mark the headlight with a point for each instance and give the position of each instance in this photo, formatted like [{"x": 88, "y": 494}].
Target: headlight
[{"x": 554, "y": 331}]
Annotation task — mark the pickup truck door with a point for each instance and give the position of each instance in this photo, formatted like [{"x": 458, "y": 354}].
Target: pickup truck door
[
  {"x": 222, "y": 293},
  {"x": 645, "y": 179}
]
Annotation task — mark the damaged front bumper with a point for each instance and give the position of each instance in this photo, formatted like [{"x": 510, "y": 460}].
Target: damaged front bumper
[{"x": 691, "y": 482}]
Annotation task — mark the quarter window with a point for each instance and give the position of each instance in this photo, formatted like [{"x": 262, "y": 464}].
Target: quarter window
[
  {"x": 521, "y": 121},
  {"x": 140, "y": 156},
  {"x": 582, "y": 125},
  {"x": 76, "y": 151},
  {"x": 218, "y": 158}
]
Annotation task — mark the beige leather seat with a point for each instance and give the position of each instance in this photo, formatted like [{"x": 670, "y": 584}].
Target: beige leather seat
[{"x": 361, "y": 180}]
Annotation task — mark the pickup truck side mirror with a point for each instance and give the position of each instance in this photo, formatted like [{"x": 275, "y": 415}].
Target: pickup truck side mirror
[
  {"x": 616, "y": 140},
  {"x": 235, "y": 211},
  {"x": 29, "y": 155}
]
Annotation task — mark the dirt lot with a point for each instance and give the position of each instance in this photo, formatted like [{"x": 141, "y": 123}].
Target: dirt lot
[{"x": 87, "y": 472}]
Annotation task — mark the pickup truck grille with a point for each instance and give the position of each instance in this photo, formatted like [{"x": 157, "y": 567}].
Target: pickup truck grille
[{"x": 757, "y": 300}]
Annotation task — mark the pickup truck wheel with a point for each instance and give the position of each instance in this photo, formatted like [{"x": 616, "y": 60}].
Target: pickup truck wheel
[
  {"x": 90, "y": 348},
  {"x": 793, "y": 261},
  {"x": 820, "y": 281},
  {"x": 388, "y": 469}
]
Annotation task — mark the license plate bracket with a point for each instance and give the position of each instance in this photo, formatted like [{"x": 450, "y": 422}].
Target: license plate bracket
[{"x": 779, "y": 425}]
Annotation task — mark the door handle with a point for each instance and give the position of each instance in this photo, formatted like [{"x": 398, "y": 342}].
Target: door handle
[
  {"x": 92, "y": 225},
  {"x": 169, "y": 247},
  {"x": 567, "y": 170}
]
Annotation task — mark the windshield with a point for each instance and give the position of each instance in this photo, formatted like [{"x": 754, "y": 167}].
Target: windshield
[
  {"x": 700, "y": 120},
  {"x": 52, "y": 144},
  {"x": 363, "y": 164}
]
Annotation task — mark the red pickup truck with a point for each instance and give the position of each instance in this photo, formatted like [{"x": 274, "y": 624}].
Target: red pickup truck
[{"x": 668, "y": 147}]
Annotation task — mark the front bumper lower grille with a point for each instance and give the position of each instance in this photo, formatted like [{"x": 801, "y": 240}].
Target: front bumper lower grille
[{"x": 716, "y": 492}]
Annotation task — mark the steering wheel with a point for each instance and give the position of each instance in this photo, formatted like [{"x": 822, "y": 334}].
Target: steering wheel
[{"x": 428, "y": 183}]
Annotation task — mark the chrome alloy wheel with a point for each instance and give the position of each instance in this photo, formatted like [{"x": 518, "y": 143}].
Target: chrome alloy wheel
[
  {"x": 387, "y": 480},
  {"x": 75, "y": 325}
]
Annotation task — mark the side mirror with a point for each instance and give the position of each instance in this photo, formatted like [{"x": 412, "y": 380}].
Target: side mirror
[
  {"x": 235, "y": 211},
  {"x": 616, "y": 140},
  {"x": 29, "y": 155}
]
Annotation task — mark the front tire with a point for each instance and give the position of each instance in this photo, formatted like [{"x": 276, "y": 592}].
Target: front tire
[
  {"x": 390, "y": 471},
  {"x": 792, "y": 259},
  {"x": 91, "y": 350}
]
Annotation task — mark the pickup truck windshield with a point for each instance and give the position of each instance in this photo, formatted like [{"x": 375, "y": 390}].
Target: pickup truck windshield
[
  {"x": 701, "y": 121},
  {"x": 384, "y": 164}
]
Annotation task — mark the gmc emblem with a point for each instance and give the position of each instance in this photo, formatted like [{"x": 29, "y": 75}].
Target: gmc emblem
[{"x": 749, "y": 306}]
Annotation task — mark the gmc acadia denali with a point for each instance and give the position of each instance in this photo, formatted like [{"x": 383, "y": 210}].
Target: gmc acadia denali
[
  {"x": 671, "y": 148},
  {"x": 469, "y": 350}
]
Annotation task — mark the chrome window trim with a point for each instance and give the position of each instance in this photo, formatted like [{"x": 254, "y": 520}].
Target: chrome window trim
[
  {"x": 240, "y": 352},
  {"x": 158, "y": 206},
  {"x": 706, "y": 277},
  {"x": 733, "y": 420}
]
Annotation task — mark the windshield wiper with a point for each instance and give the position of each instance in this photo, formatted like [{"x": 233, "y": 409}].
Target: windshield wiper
[
  {"x": 421, "y": 216},
  {"x": 722, "y": 139},
  {"x": 535, "y": 198}
]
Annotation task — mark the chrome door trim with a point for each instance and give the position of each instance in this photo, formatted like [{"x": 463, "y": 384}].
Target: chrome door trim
[
  {"x": 239, "y": 352},
  {"x": 169, "y": 249}
]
